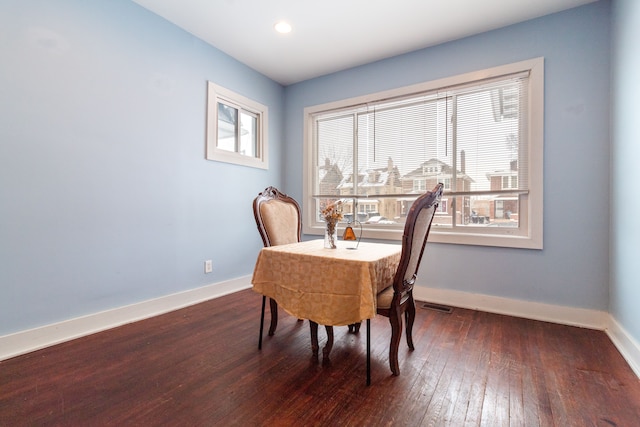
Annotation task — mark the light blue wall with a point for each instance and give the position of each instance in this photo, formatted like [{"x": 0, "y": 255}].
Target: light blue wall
[
  {"x": 105, "y": 196},
  {"x": 573, "y": 268},
  {"x": 625, "y": 176}
]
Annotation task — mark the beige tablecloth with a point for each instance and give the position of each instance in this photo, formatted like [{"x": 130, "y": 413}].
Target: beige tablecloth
[{"x": 329, "y": 286}]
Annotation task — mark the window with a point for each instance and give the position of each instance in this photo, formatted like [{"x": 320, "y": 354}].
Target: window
[
  {"x": 236, "y": 128},
  {"x": 480, "y": 134},
  {"x": 419, "y": 185},
  {"x": 510, "y": 181},
  {"x": 442, "y": 207}
]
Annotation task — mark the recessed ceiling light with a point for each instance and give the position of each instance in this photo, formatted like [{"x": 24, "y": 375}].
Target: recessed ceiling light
[{"x": 282, "y": 27}]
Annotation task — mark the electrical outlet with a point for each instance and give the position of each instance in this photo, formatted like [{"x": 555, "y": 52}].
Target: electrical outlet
[{"x": 208, "y": 266}]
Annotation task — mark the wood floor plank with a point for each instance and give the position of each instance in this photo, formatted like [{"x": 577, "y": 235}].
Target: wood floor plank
[
  {"x": 201, "y": 366},
  {"x": 480, "y": 346},
  {"x": 442, "y": 403},
  {"x": 511, "y": 340},
  {"x": 495, "y": 408},
  {"x": 421, "y": 393}
]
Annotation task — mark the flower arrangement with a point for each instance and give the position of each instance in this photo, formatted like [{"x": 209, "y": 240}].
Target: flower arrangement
[{"x": 332, "y": 213}]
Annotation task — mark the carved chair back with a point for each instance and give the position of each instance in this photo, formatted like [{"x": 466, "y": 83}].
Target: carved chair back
[{"x": 277, "y": 217}]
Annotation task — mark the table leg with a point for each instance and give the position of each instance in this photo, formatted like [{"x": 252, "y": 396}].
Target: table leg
[
  {"x": 327, "y": 348},
  {"x": 368, "y": 352},
  {"x": 261, "y": 323},
  {"x": 314, "y": 338},
  {"x": 354, "y": 328}
]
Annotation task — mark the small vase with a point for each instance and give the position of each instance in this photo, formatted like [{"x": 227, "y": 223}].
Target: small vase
[{"x": 330, "y": 235}]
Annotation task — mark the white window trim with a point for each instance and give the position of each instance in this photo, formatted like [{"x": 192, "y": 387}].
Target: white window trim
[
  {"x": 217, "y": 93},
  {"x": 531, "y": 210}
]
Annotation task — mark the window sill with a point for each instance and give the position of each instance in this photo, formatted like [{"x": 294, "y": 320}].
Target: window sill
[{"x": 441, "y": 236}]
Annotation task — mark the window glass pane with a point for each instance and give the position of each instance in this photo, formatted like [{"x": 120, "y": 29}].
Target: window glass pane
[
  {"x": 490, "y": 210},
  {"x": 480, "y": 211},
  {"x": 227, "y": 127},
  {"x": 248, "y": 134},
  {"x": 399, "y": 144},
  {"x": 412, "y": 136},
  {"x": 488, "y": 136},
  {"x": 334, "y": 163},
  {"x": 489, "y": 151}
]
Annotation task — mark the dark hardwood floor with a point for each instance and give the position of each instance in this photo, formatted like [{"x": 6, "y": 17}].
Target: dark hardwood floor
[{"x": 201, "y": 366}]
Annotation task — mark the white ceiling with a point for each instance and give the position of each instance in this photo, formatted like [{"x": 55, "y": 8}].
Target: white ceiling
[{"x": 333, "y": 35}]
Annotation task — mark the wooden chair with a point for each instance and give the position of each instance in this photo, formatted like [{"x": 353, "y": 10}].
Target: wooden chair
[
  {"x": 279, "y": 223},
  {"x": 397, "y": 299}
]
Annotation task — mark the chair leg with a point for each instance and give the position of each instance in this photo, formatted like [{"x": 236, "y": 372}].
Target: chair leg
[
  {"x": 314, "y": 337},
  {"x": 327, "y": 348},
  {"x": 274, "y": 316},
  {"x": 410, "y": 316},
  {"x": 354, "y": 328},
  {"x": 395, "y": 318},
  {"x": 261, "y": 322},
  {"x": 368, "y": 352}
]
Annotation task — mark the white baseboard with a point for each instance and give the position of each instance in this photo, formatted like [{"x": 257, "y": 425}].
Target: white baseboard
[
  {"x": 592, "y": 319},
  {"x": 627, "y": 346},
  {"x": 34, "y": 339}
]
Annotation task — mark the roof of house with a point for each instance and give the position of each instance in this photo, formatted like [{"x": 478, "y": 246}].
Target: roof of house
[
  {"x": 378, "y": 177},
  {"x": 442, "y": 170}
]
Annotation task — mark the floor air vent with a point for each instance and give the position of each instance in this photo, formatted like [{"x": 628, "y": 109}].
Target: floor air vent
[{"x": 436, "y": 307}]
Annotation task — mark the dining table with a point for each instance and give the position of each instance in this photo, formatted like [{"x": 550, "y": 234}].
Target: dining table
[{"x": 330, "y": 287}]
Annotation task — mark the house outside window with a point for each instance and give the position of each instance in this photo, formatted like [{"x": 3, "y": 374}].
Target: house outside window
[{"x": 480, "y": 134}]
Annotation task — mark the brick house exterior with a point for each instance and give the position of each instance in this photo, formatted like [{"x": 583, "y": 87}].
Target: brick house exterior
[{"x": 373, "y": 182}]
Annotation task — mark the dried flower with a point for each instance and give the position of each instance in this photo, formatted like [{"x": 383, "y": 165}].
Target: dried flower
[{"x": 333, "y": 212}]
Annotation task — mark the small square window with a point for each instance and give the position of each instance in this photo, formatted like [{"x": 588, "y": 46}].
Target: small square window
[{"x": 236, "y": 129}]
